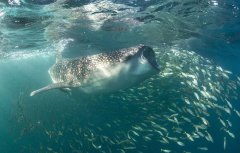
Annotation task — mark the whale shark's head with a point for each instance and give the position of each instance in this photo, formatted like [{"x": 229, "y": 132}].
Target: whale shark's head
[
  {"x": 143, "y": 62},
  {"x": 147, "y": 53}
]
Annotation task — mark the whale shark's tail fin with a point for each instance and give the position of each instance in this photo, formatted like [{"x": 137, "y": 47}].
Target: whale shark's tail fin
[
  {"x": 60, "y": 48},
  {"x": 61, "y": 85}
]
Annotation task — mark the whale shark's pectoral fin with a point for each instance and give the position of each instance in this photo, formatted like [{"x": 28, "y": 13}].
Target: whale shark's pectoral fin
[
  {"x": 60, "y": 85},
  {"x": 66, "y": 90}
]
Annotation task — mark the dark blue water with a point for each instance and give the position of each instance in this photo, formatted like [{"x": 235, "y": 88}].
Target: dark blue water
[{"x": 192, "y": 105}]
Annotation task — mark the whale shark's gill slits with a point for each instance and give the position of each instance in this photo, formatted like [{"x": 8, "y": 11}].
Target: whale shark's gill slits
[{"x": 129, "y": 58}]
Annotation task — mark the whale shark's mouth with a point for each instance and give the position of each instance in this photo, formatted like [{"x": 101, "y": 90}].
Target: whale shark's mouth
[{"x": 149, "y": 54}]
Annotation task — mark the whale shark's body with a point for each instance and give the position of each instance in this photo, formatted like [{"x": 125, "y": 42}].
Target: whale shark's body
[{"x": 104, "y": 72}]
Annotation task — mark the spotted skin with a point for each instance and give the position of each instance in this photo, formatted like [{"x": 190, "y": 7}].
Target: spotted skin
[
  {"x": 79, "y": 69},
  {"x": 104, "y": 71}
]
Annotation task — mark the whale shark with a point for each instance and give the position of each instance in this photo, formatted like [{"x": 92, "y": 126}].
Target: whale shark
[{"x": 103, "y": 72}]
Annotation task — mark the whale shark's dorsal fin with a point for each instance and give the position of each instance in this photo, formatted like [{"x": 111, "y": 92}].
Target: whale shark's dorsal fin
[
  {"x": 60, "y": 85},
  {"x": 60, "y": 48},
  {"x": 58, "y": 56}
]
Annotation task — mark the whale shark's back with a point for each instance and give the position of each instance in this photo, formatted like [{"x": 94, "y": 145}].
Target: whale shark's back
[{"x": 81, "y": 68}]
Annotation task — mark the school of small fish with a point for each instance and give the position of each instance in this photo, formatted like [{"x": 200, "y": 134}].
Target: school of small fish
[{"x": 173, "y": 108}]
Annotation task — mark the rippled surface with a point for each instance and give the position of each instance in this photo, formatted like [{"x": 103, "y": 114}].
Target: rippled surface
[{"x": 192, "y": 105}]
